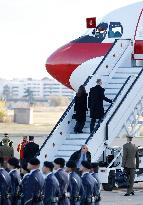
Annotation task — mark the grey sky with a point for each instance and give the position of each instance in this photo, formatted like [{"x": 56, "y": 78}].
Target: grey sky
[{"x": 30, "y": 30}]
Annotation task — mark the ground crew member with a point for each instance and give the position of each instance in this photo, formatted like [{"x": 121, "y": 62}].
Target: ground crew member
[
  {"x": 13, "y": 165},
  {"x": 5, "y": 185},
  {"x": 51, "y": 186},
  {"x": 75, "y": 187},
  {"x": 63, "y": 180},
  {"x": 89, "y": 184},
  {"x": 34, "y": 191}
]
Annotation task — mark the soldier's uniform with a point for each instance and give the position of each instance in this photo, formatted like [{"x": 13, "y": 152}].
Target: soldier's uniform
[
  {"x": 23, "y": 187},
  {"x": 10, "y": 143},
  {"x": 5, "y": 187},
  {"x": 130, "y": 162},
  {"x": 15, "y": 181},
  {"x": 51, "y": 187},
  {"x": 90, "y": 187},
  {"x": 33, "y": 195},
  {"x": 63, "y": 180},
  {"x": 75, "y": 187}
]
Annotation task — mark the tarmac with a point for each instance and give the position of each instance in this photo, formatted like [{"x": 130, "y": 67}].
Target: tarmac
[{"x": 115, "y": 197}]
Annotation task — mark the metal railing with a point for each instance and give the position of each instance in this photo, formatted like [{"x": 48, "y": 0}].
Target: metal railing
[{"x": 121, "y": 103}]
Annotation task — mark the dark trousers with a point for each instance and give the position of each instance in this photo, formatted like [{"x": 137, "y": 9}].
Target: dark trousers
[
  {"x": 92, "y": 124},
  {"x": 79, "y": 126},
  {"x": 130, "y": 173}
]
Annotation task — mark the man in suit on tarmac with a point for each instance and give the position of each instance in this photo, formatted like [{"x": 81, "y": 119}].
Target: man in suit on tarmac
[
  {"x": 31, "y": 149},
  {"x": 130, "y": 163},
  {"x": 51, "y": 187}
]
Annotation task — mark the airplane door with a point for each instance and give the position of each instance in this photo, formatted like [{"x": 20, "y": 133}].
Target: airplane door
[{"x": 138, "y": 39}]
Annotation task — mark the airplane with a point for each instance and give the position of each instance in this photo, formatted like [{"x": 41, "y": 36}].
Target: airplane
[{"x": 74, "y": 59}]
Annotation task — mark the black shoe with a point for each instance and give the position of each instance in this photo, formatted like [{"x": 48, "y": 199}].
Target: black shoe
[
  {"x": 132, "y": 193},
  {"x": 80, "y": 131},
  {"x": 126, "y": 194}
]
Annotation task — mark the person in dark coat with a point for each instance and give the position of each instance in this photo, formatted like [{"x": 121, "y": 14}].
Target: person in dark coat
[
  {"x": 95, "y": 103},
  {"x": 75, "y": 187},
  {"x": 51, "y": 186},
  {"x": 13, "y": 165},
  {"x": 5, "y": 185},
  {"x": 81, "y": 155},
  {"x": 80, "y": 109},
  {"x": 31, "y": 149},
  {"x": 89, "y": 184},
  {"x": 34, "y": 190},
  {"x": 63, "y": 180}
]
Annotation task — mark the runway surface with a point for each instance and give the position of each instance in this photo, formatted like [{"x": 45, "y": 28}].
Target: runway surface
[{"x": 116, "y": 197}]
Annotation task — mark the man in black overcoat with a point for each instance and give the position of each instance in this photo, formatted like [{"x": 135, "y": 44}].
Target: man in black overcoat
[
  {"x": 95, "y": 103},
  {"x": 31, "y": 149}
]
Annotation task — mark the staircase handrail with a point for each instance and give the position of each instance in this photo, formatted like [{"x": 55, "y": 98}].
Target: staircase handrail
[{"x": 111, "y": 117}]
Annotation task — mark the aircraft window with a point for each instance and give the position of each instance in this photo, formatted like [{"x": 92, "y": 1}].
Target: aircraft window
[
  {"x": 115, "y": 30},
  {"x": 97, "y": 35}
]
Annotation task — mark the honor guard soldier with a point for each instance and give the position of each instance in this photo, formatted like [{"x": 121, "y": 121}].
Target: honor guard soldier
[
  {"x": 34, "y": 191},
  {"x": 94, "y": 173},
  {"x": 63, "y": 180},
  {"x": 51, "y": 187},
  {"x": 24, "y": 182},
  {"x": 13, "y": 165},
  {"x": 75, "y": 187},
  {"x": 89, "y": 184},
  {"x": 5, "y": 185}
]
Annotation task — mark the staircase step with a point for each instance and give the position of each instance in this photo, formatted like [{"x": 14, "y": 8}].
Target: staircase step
[{"x": 78, "y": 136}]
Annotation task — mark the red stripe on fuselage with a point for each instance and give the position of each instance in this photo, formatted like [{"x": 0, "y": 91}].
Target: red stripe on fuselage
[
  {"x": 138, "y": 47},
  {"x": 66, "y": 59}
]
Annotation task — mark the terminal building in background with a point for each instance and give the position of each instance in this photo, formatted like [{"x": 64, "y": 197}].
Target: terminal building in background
[{"x": 40, "y": 89}]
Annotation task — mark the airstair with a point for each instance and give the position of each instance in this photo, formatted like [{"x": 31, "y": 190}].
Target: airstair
[{"x": 124, "y": 85}]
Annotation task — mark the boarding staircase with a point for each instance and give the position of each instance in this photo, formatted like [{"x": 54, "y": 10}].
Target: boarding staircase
[{"x": 124, "y": 85}]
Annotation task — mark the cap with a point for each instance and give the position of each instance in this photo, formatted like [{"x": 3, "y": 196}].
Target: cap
[
  {"x": 14, "y": 162},
  {"x": 5, "y": 134},
  {"x": 129, "y": 136},
  {"x": 71, "y": 164},
  {"x": 48, "y": 164},
  {"x": 31, "y": 138},
  {"x": 1, "y": 160},
  {"x": 60, "y": 161},
  {"x": 34, "y": 161},
  {"x": 86, "y": 164},
  {"x": 24, "y": 166},
  {"x": 94, "y": 165}
]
